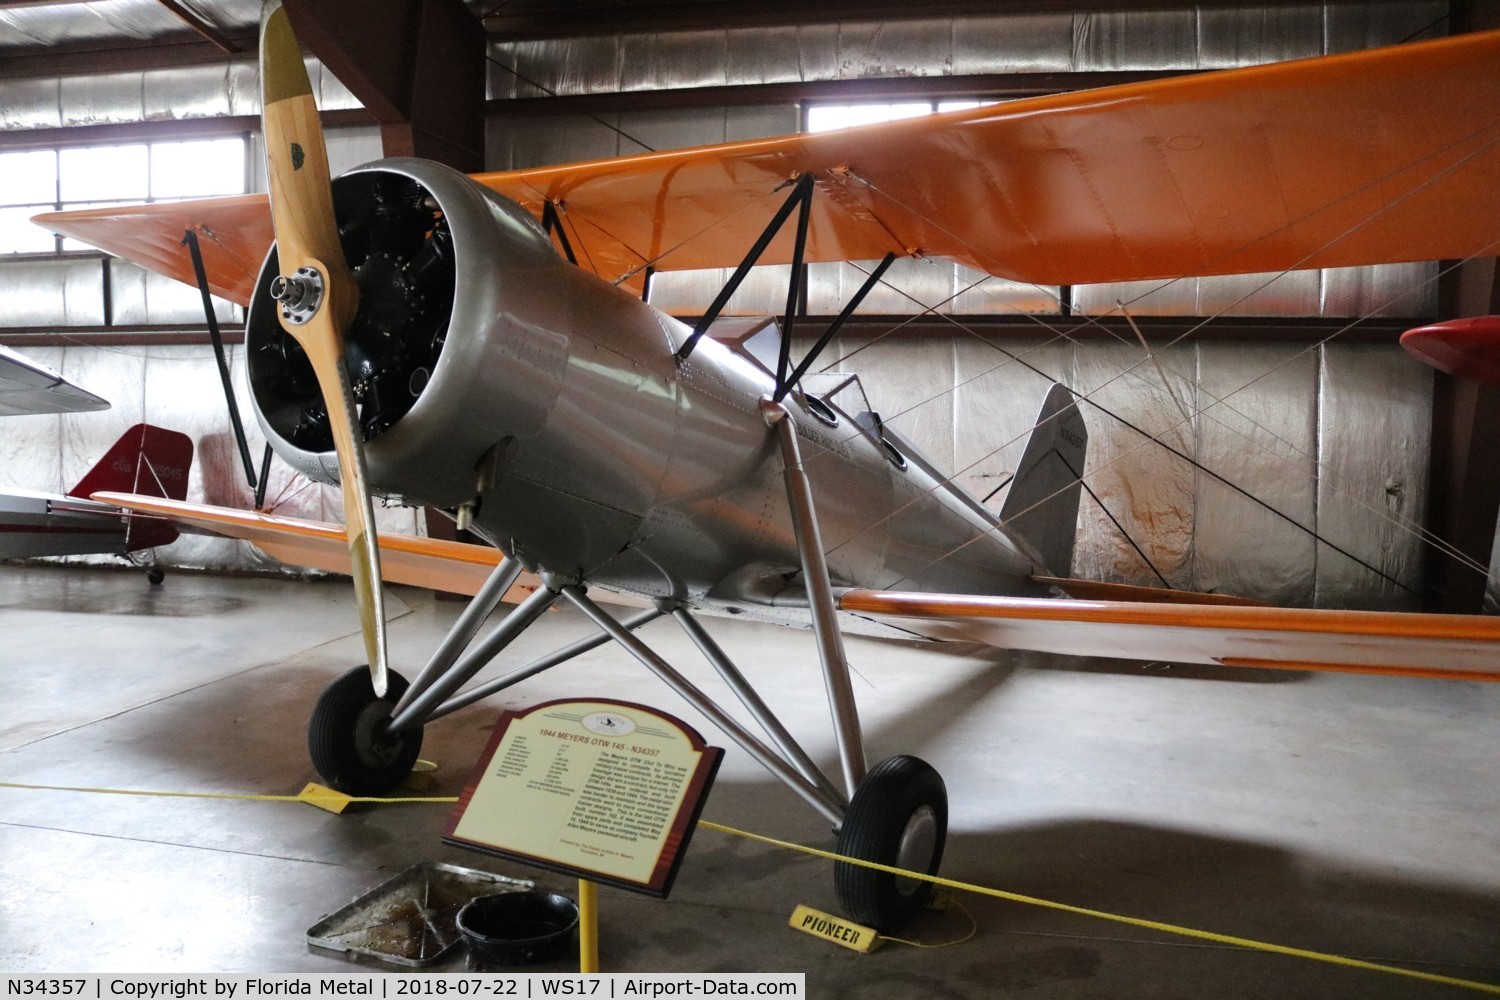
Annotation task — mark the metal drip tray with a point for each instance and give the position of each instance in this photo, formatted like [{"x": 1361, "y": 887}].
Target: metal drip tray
[{"x": 411, "y": 919}]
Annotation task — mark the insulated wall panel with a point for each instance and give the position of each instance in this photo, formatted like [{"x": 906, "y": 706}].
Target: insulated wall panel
[
  {"x": 141, "y": 297},
  {"x": 1381, "y": 290},
  {"x": 891, "y": 49},
  {"x": 995, "y": 404},
  {"x": 1175, "y": 297},
  {"x": 30, "y": 446},
  {"x": 1136, "y": 40},
  {"x": 1258, "y": 430},
  {"x": 909, "y": 383},
  {"x": 30, "y": 103},
  {"x": 1295, "y": 293},
  {"x": 1253, "y": 35},
  {"x": 1365, "y": 25},
  {"x": 104, "y": 98},
  {"x": 1375, "y": 422},
  {"x": 771, "y": 55},
  {"x": 117, "y": 374},
  {"x": 1028, "y": 43},
  {"x": 351, "y": 147},
  {"x": 1148, "y": 490},
  {"x": 680, "y": 59},
  {"x": 58, "y": 293},
  {"x": 188, "y": 92},
  {"x": 183, "y": 393},
  {"x": 978, "y": 294}
]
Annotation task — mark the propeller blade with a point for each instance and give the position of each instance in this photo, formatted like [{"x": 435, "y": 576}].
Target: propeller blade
[{"x": 317, "y": 294}]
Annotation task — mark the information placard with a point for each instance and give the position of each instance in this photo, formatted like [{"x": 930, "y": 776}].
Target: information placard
[{"x": 605, "y": 790}]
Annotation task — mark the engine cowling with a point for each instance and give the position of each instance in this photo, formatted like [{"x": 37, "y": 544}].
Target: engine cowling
[{"x": 455, "y": 345}]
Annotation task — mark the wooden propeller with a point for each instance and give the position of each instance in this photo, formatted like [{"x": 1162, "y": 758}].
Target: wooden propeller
[{"x": 317, "y": 294}]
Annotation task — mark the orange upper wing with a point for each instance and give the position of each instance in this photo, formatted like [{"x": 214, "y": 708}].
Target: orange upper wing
[
  {"x": 1449, "y": 646},
  {"x": 1370, "y": 157}
]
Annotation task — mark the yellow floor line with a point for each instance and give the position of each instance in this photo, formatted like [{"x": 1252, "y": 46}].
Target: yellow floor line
[{"x": 1156, "y": 925}]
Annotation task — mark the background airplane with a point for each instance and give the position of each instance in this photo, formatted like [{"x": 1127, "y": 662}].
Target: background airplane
[
  {"x": 606, "y": 445},
  {"x": 1466, "y": 348},
  {"x": 146, "y": 460},
  {"x": 27, "y": 387}
]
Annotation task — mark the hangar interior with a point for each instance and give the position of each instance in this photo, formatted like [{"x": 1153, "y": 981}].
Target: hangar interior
[{"x": 1341, "y": 814}]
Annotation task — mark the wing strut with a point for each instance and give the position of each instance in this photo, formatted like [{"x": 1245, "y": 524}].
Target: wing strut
[
  {"x": 800, "y": 198},
  {"x": 190, "y": 240},
  {"x": 846, "y": 729}
]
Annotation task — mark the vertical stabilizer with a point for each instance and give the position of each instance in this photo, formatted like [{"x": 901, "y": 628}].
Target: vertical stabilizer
[
  {"x": 1042, "y": 505},
  {"x": 148, "y": 460}
]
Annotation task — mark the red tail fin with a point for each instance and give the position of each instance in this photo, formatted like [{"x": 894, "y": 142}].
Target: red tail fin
[{"x": 148, "y": 460}]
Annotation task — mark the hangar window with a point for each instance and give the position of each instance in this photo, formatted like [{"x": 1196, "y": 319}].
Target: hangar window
[
  {"x": 45, "y": 180},
  {"x": 826, "y": 117}
]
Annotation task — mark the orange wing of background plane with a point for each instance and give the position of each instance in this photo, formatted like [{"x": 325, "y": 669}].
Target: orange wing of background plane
[{"x": 1370, "y": 157}]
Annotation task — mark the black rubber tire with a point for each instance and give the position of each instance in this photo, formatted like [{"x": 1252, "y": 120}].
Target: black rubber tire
[
  {"x": 342, "y": 740},
  {"x": 897, "y": 793},
  {"x": 155, "y": 575}
]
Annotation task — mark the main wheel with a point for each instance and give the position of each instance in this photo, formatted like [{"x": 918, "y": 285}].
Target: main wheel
[
  {"x": 346, "y": 736},
  {"x": 898, "y": 817}
]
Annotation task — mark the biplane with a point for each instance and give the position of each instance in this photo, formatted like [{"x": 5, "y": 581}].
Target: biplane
[
  {"x": 145, "y": 461},
  {"x": 481, "y": 345}
]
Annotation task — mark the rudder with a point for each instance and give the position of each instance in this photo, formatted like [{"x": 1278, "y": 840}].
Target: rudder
[
  {"x": 1042, "y": 505},
  {"x": 147, "y": 460}
]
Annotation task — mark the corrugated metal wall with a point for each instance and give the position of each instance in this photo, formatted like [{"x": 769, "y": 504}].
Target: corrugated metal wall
[{"x": 1332, "y": 438}]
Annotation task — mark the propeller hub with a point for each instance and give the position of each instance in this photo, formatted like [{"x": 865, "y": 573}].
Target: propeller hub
[{"x": 298, "y": 294}]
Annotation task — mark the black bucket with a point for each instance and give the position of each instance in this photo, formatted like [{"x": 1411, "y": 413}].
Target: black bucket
[{"x": 518, "y": 928}]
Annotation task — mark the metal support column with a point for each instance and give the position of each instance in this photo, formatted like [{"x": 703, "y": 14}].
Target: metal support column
[
  {"x": 767, "y": 757},
  {"x": 820, "y": 597},
  {"x": 416, "y": 713}
]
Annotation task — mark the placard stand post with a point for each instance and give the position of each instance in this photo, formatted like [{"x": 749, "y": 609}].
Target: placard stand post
[{"x": 588, "y": 926}]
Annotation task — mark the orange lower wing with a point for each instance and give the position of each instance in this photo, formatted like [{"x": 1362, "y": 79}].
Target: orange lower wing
[
  {"x": 433, "y": 563},
  {"x": 1447, "y": 646}
]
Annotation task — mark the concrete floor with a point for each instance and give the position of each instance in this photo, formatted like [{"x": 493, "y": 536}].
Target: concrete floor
[{"x": 1344, "y": 814}]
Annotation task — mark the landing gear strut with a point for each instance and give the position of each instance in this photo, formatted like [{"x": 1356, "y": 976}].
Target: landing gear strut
[
  {"x": 349, "y": 737},
  {"x": 898, "y": 817}
]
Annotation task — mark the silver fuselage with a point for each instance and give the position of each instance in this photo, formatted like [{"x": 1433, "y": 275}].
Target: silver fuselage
[{"x": 558, "y": 410}]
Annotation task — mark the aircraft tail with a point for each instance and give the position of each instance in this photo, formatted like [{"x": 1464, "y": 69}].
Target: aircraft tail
[
  {"x": 1042, "y": 505},
  {"x": 148, "y": 460}
]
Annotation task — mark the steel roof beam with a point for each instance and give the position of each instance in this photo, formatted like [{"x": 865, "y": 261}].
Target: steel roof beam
[{"x": 422, "y": 75}]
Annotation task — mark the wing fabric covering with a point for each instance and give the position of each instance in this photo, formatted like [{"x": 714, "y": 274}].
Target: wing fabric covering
[
  {"x": 1362, "y": 158},
  {"x": 1447, "y": 646}
]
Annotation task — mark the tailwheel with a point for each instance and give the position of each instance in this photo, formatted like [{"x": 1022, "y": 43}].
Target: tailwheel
[
  {"x": 347, "y": 737},
  {"x": 898, "y": 817}
]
